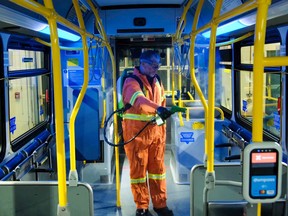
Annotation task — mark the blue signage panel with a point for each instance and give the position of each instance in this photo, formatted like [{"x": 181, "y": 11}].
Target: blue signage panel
[
  {"x": 12, "y": 125},
  {"x": 187, "y": 137},
  {"x": 263, "y": 186}
]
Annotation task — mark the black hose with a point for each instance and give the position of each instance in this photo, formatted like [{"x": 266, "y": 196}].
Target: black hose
[{"x": 120, "y": 144}]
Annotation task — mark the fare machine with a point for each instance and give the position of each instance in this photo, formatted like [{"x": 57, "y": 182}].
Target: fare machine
[{"x": 262, "y": 172}]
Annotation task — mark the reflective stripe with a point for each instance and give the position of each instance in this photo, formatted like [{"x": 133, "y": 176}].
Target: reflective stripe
[
  {"x": 158, "y": 84},
  {"x": 136, "y": 181},
  {"x": 134, "y": 97},
  {"x": 157, "y": 176},
  {"x": 138, "y": 117}
]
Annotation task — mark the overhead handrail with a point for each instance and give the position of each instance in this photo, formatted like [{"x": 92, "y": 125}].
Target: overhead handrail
[
  {"x": 245, "y": 7},
  {"x": 235, "y": 40},
  {"x": 42, "y": 10},
  {"x": 182, "y": 21}
]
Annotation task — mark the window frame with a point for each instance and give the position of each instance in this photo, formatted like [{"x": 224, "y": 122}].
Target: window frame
[
  {"x": 15, "y": 43},
  {"x": 267, "y": 135}
]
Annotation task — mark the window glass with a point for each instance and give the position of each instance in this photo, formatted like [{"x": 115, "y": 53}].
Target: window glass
[
  {"x": 25, "y": 59},
  {"x": 165, "y": 70},
  {"x": 28, "y": 103},
  {"x": 225, "y": 53},
  {"x": 247, "y": 52},
  {"x": 271, "y": 93},
  {"x": 226, "y": 93}
]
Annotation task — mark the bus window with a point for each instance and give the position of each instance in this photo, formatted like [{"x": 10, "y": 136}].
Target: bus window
[
  {"x": 28, "y": 92},
  {"x": 225, "y": 63},
  {"x": 25, "y": 59},
  {"x": 27, "y": 104},
  {"x": 247, "y": 52},
  {"x": 128, "y": 60},
  {"x": 271, "y": 92},
  {"x": 226, "y": 93}
]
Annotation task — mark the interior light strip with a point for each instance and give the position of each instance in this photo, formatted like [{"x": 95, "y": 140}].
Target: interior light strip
[{"x": 62, "y": 34}]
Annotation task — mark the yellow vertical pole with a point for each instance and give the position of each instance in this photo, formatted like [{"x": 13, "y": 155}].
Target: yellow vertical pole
[
  {"x": 211, "y": 89},
  {"x": 73, "y": 176},
  {"x": 192, "y": 68},
  {"x": 173, "y": 74},
  {"x": 258, "y": 74},
  {"x": 103, "y": 87},
  {"x": 116, "y": 139},
  {"x": 182, "y": 20},
  {"x": 59, "y": 120}
]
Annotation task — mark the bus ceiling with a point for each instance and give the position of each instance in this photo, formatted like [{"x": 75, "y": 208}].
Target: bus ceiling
[{"x": 109, "y": 9}]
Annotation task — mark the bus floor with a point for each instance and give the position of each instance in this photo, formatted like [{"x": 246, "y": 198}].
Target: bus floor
[{"x": 105, "y": 195}]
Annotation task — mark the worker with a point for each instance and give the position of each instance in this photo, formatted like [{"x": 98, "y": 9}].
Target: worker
[{"x": 146, "y": 153}]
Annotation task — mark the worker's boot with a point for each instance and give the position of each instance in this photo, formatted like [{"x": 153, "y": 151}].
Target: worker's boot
[
  {"x": 143, "y": 212},
  {"x": 164, "y": 211}
]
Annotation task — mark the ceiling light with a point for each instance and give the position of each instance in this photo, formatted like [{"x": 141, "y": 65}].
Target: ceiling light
[
  {"x": 62, "y": 34},
  {"x": 229, "y": 27},
  {"x": 275, "y": 10},
  {"x": 13, "y": 17}
]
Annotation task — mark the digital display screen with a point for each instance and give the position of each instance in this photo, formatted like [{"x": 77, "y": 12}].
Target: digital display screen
[{"x": 263, "y": 173}]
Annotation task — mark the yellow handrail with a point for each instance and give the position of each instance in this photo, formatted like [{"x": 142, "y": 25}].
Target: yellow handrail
[
  {"x": 258, "y": 74},
  {"x": 275, "y": 61},
  {"x": 57, "y": 80},
  {"x": 192, "y": 67},
  {"x": 42, "y": 10},
  {"x": 190, "y": 96},
  {"x": 61, "y": 47},
  {"x": 182, "y": 21},
  {"x": 173, "y": 79},
  {"x": 201, "y": 108},
  {"x": 73, "y": 177},
  {"x": 50, "y": 14},
  {"x": 189, "y": 101},
  {"x": 58, "y": 105},
  {"x": 235, "y": 40},
  {"x": 211, "y": 89}
]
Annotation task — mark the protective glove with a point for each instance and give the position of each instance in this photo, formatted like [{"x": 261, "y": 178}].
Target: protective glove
[
  {"x": 175, "y": 109},
  {"x": 163, "y": 112}
]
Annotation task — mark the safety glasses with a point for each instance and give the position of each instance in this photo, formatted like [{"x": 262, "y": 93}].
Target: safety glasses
[{"x": 154, "y": 65}]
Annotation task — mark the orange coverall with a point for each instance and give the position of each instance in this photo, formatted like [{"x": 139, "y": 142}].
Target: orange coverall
[{"x": 146, "y": 152}]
